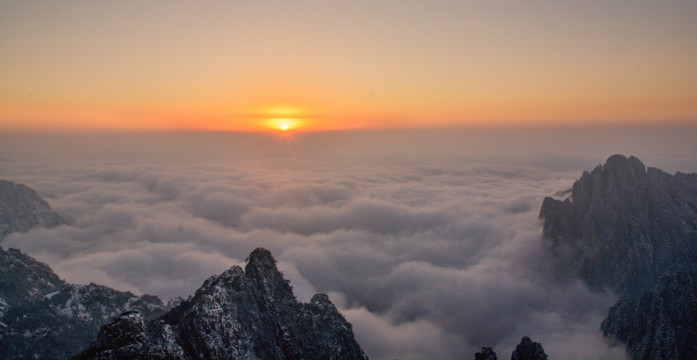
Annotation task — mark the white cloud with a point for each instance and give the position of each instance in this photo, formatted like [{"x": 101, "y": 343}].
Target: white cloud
[{"x": 430, "y": 250}]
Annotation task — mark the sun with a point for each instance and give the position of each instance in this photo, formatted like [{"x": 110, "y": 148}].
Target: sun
[{"x": 283, "y": 119}]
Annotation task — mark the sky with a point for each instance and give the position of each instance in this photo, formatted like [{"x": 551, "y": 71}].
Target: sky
[
  {"x": 428, "y": 242},
  {"x": 252, "y": 66}
]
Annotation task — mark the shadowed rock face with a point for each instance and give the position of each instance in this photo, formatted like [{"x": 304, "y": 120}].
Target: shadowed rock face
[
  {"x": 21, "y": 209},
  {"x": 240, "y": 314},
  {"x": 634, "y": 230}
]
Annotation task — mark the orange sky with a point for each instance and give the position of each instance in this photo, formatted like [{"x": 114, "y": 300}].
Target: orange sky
[{"x": 238, "y": 65}]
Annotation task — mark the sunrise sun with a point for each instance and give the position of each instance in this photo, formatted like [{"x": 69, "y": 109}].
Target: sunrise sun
[{"x": 284, "y": 126}]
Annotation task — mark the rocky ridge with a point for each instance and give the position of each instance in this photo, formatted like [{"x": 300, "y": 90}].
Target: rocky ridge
[
  {"x": 239, "y": 314},
  {"x": 634, "y": 230}
]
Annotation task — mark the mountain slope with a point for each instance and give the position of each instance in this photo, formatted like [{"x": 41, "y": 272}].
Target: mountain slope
[
  {"x": 21, "y": 209},
  {"x": 43, "y": 317},
  {"x": 634, "y": 230},
  {"x": 240, "y": 314}
]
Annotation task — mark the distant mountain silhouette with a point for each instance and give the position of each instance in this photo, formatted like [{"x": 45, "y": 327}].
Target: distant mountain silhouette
[{"x": 22, "y": 209}]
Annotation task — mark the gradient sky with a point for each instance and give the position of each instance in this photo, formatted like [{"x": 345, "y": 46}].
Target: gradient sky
[{"x": 245, "y": 65}]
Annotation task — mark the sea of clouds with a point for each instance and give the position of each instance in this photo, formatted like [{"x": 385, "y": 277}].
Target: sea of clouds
[{"x": 428, "y": 242}]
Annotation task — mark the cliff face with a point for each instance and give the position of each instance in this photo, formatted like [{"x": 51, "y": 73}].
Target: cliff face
[
  {"x": 240, "y": 314},
  {"x": 634, "y": 230},
  {"x": 22, "y": 209},
  {"x": 625, "y": 224}
]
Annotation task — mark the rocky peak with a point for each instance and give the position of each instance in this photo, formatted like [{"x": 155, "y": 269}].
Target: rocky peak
[
  {"x": 622, "y": 222},
  {"x": 250, "y": 314},
  {"x": 528, "y": 350},
  {"x": 486, "y": 354},
  {"x": 261, "y": 258},
  {"x": 624, "y": 170},
  {"x": 620, "y": 180},
  {"x": 22, "y": 209},
  {"x": 321, "y": 300}
]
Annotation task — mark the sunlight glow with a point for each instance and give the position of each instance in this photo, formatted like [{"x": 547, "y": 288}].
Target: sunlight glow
[{"x": 283, "y": 118}]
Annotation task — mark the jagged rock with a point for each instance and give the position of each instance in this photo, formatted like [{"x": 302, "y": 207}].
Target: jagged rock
[
  {"x": 486, "y": 354},
  {"x": 528, "y": 350},
  {"x": 21, "y": 209},
  {"x": 240, "y": 314},
  {"x": 634, "y": 230},
  {"x": 43, "y": 317}
]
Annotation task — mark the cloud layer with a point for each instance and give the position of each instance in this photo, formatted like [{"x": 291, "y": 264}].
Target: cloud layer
[{"x": 429, "y": 251}]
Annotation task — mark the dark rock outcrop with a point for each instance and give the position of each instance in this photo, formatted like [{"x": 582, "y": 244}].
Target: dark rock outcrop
[
  {"x": 486, "y": 354},
  {"x": 634, "y": 230},
  {"x": 528, "y": 350},
  {"x": 21, "y": 209},
  {"x": 240, "y": 314},
  {"x": 525, "y": 350}
]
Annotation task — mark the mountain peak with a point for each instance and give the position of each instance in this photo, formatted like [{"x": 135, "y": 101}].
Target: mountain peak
[
  {"x": 528, "y": 350},
  {"x": 261, "y": 258},
  {"x": 634, "y": 231},
  {"x": 321, "y": 299},
  {"x": 250, "y": 314},
  {"x": 625, "y": 171},
  {"x": 486, "y": 354}
]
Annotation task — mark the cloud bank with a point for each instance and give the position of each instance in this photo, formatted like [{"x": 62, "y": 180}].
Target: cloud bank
[{"x": 429, "y": 251}]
